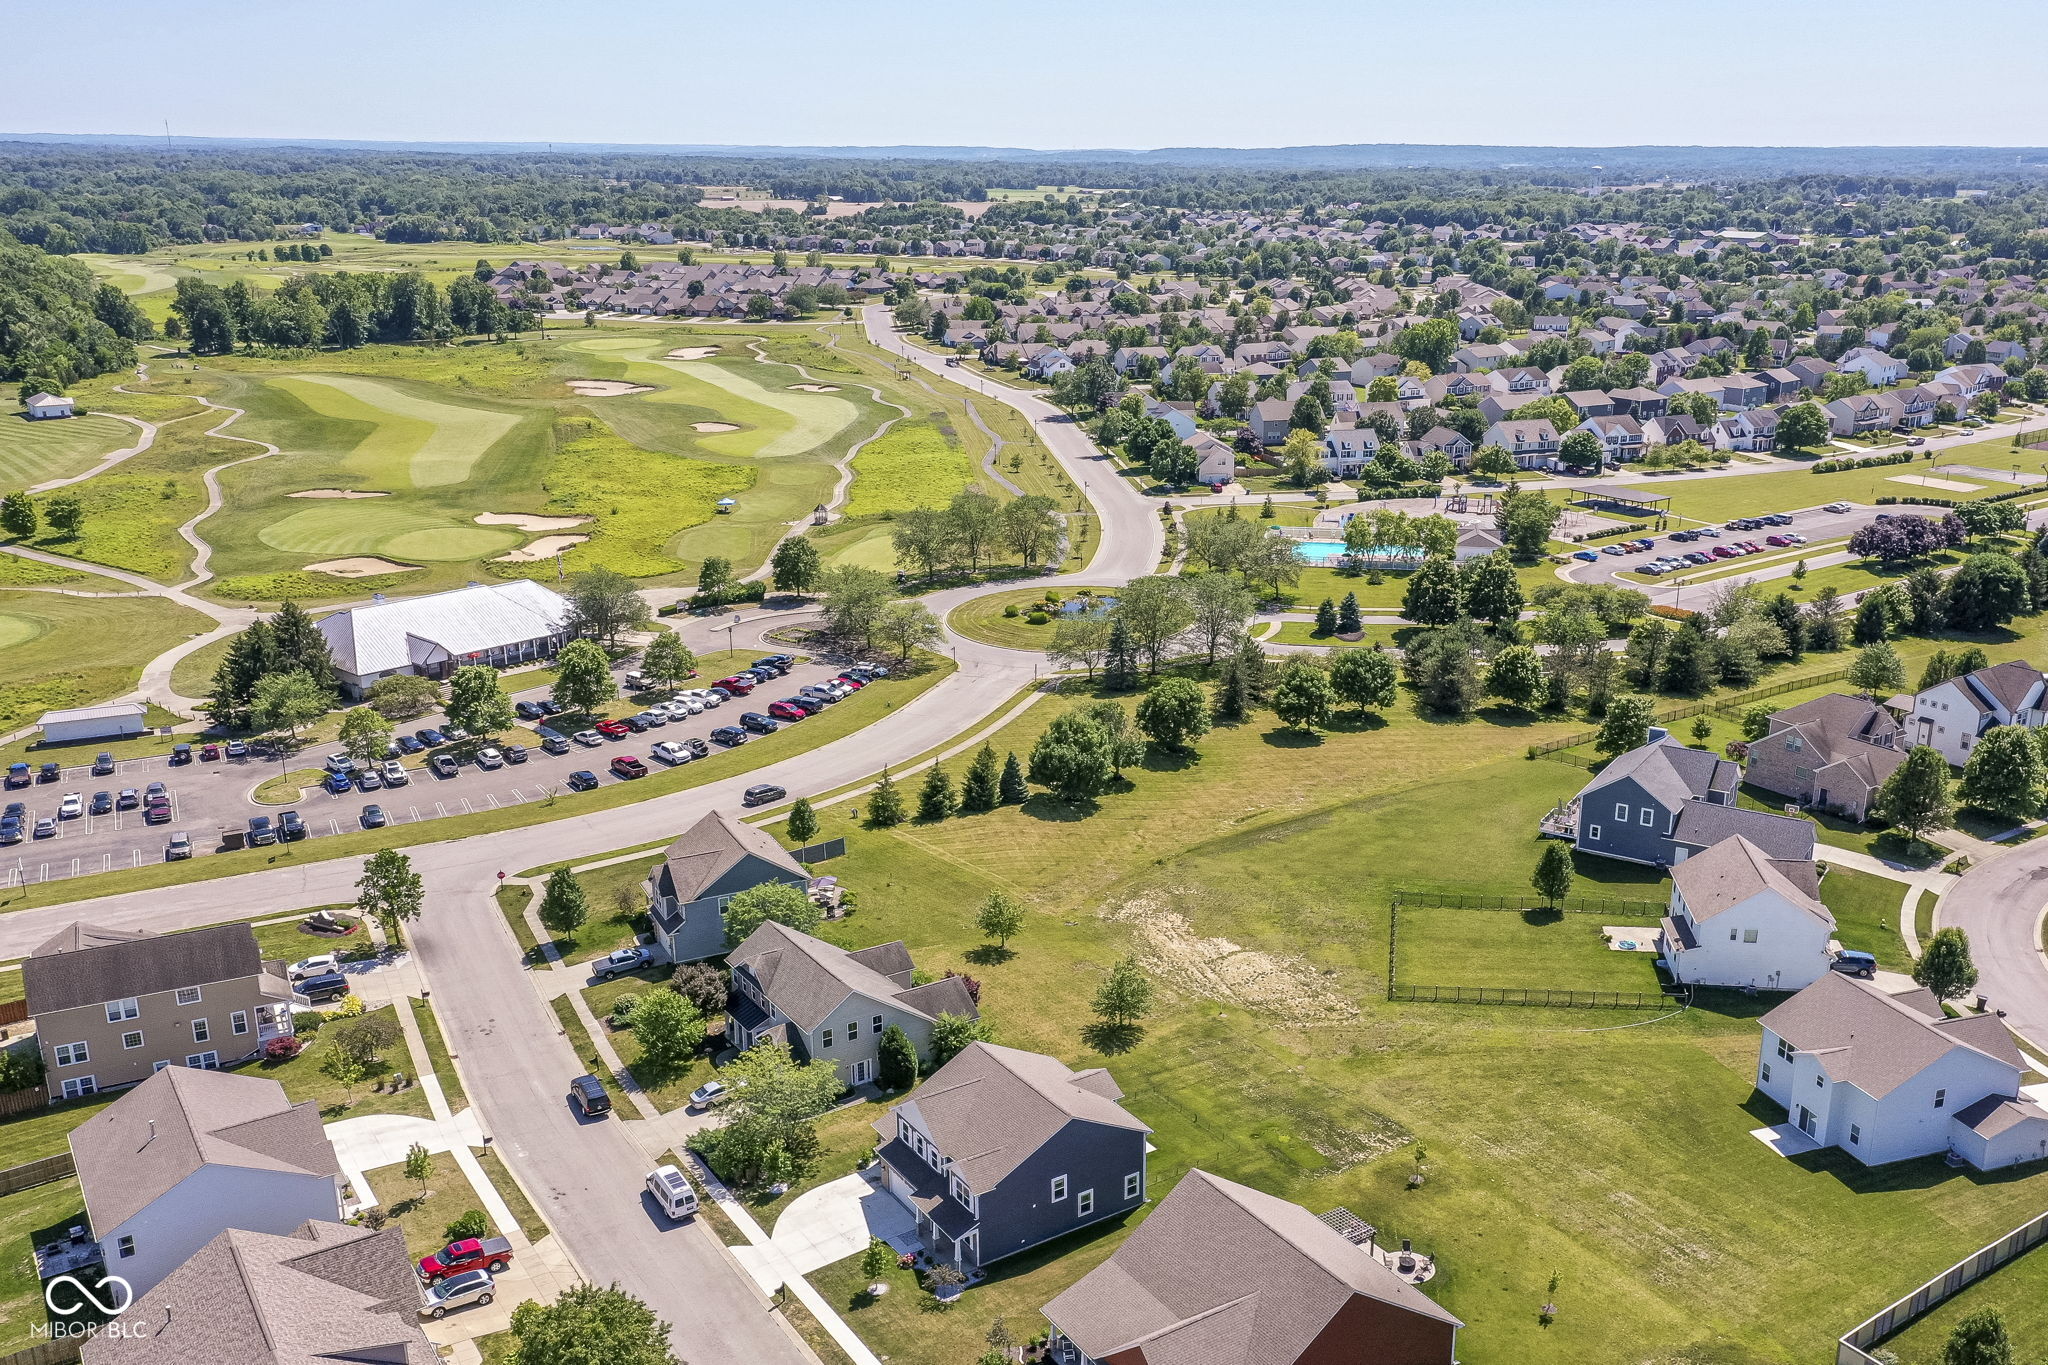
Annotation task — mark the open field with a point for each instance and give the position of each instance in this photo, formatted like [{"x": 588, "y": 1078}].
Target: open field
[
  {"x": 58, "y": 651},
  {"x": 1717, "y": 500},
  {"x": 34, "y": 452},
  {"x": 1529, "y": 948}
]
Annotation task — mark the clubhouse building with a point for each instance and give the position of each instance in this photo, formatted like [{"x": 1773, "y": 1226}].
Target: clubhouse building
[{"x": 499, "y": 624}]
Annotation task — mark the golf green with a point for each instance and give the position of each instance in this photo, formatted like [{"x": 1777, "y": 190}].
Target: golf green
[
  {"x": 19, "y": 630},
  {"x": 412, "y": 440},
  {"x": 410, "y": 533}
]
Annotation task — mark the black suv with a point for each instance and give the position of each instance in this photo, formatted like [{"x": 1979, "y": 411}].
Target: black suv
[
  {"x": 587, "y": 1094},
  {"x": 762, "y": 794},
  {"x": 290, "y": 826},
  {"x": 760, "y": 724}
]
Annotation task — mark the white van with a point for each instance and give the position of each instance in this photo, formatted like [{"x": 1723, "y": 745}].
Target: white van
[{"x": 671, "y": 1189}]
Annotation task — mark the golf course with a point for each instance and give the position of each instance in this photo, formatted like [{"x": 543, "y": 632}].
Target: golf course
[{"x": 37, "y": 452}]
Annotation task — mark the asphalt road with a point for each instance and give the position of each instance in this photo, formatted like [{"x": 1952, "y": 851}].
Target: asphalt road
[{"x": 1999, "y": 903}]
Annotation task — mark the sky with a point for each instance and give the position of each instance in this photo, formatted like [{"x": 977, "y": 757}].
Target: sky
[{"x": 1048, "y": 74}]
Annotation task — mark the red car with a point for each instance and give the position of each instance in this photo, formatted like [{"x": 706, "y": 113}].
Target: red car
[
  {"x": 855, "y": 683},
  {"x": 782, "y": 710},
  {"x": 1724, "y": 552},
  {"x": 739, "y": 687},
  {"x": 625, "y": 765},
  {"x": 617, "y": 729},
  {"x": 492, "y": 1254}
]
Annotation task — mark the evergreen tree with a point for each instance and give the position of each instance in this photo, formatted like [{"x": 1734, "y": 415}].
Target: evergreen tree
[
  {"x": 1553, "y": 877},
  {"x": 1120, "y": 667},
  {"x": 1348, "y": 622},
  {"x": 563, "y": 905},
  {"x": 2005, "y": 775},
  {"x": 885, "y": 803},
  {"x": 1786, "y": 615},
  {"x": 895, "y": 1060},
  {"x": 1873, "y": 620},
  {"x": 936, "y": 800},
  {"x": 1824, "y": 622},
  {"x": 1648, "y": 643},
  {"x": 979, "y": 792},
  {"x": 1915, "y": 798},
  {"x": 1015, "y": 791},
  {"x": 1690, "y": 666},
  {"x": 1326, "y": 618}
]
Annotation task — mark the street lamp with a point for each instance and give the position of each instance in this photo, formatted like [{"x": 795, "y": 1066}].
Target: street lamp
[{"x": 729, "y": 628}]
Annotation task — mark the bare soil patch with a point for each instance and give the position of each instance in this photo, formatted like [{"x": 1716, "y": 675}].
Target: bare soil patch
[
  {"x": 606, "y": 388},
  {"x": 360, "y": 566},
  {"x": 714, "y": 426},
  {"x": 544, "y": 548},
  {"x": 1266, "y": 982},
  {"x": 336, "y": 493},
  {"x": 815, "y": 388},
  {"x": 1928, "y": 481},
  {"x": 530, "y": 524},
  {"x": 692, "y": 352}
]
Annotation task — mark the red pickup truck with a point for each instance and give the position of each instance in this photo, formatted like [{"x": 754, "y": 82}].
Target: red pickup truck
[{"x": 490, "y": 1253}]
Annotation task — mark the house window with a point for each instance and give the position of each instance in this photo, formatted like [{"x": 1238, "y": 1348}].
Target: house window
[
  {"x": 239, "y": 1021},
  {"x": 201, "y": 1031},
  {"x": 1749, "y": 935},
  {"x": 1621, "y": 812},
  {"x": 1592, "y": 833},
  {"x": 124, "y": 1248},
  {"x": 71, "y": 1054},
  {"x": 826, "y": 1039},
  {"x": 878, "y": 1026},
  {"x": 1649, "y": 815},
  {"x": 1766, "y": 1073},
  {"x": 1133, "y": 1182},
  {"x": 1940, "y": 1098},
  {"x": 203, "y": 1061},
  {"x": 1059, "y": 1188},
  {"x": 78, "y": 1086},
  {"x": 155, "y": 1067},
  {"x": 118, "y": 1010},
  {"x": 188, "y": 995},
  {"x": 1855, "y": 1134},
  {"x": 131, "y": 1040},
  {"x": 852, "y": 1029},
  {"x": 1084, "y": 1203},
  {"x": 1785, "y": 1049}
]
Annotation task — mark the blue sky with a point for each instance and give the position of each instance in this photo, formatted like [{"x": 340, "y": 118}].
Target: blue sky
[{"x": 1054, "y": 73}]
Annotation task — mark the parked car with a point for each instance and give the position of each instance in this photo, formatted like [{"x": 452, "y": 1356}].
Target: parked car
[
  {"x": 516, "y": 754},
  {"x": 582, "y": 780},
  {"x": 237, "y": 749},
  {"x": 458, "y": 1291},
  {"x": 12, "y": 831},
  {"x": 672, "y": 753},
  {"x": 409, "y": 744},
  {"x": 735, "y": 686},
  {"x": 628, "y": 767},
  {"x": 760, "y": 724},
  {"x": 1851, "y": 963},
  {"x": 72, "y": 806},
  {"x": 430, "y": 737},
  {"x": 1776, "y": 540},
  {"x": 182, "y": 753},
  {"x": 613, "y": 729},
  {"x": 156, "y": 791},
  {"x": 589, "y": 738},
  {"x": 1612, "y": 550},
  {"x": 528, "y": 710},
  {"x": 696, "y": 745},
  {"x": 671, "y": 1190},
  {"x": 810, "y": 706},
  {"x": 761, "y": 794},
  {"x": 46, "y": 828},
  {"x": 374, "y": 818},
  {"x": 291, "y": 825},
  {"x": 462, "y": 1257},
  {"x": 1916, "y": 440},
  {"x": 323, "y": 987},
  {"x": 455, "y": 733},
  {"x": 320, "y": 964},
  {"x": 261, "y": 831},
  {"x": 178, "y": 848},
  {"x": 395, "y": 774},
  {"x": 102, "y": 803},
  {"x": 157, "y": 813},
  {"x": 49, "y": 772},
  {"x": 1836, "y": 507},
  {"x": 103, "y": 765},
  {"x": 444, "y": 765},
  {"x": 129, "y": 799},
  {"x": 369, "y": 780},
  {"x": 623, "y": 961},
  {"x": 587, "y": 1094},
  {"x": 782, "y": 710},
  {"x": 707, "y": 1094},
  {"x": 645, "y": 721},
  {"x": 731, "y": 736},
  {"x": 489, "y": 759},
  {"x": 337, "y": 784}
]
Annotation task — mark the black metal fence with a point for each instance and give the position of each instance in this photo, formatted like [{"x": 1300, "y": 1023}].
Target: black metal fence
[
  {"x": 1572, "y": 905},
  {"x": 1550, "y": 997},
  {"x": 1539, "y": 996}
]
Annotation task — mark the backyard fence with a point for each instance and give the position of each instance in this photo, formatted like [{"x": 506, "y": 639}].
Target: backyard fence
[
  {"x": 1893, "y": 1316},
  {"x": 32, "y": 1173},
  {"x": 1540, "y": 996},
  {"x": 818, "y": 853},
  {"x": 22, "y": 1101},
  {"x": 1573, "y": 905},
  {"x": 1720, "y": 706},
  {"x": 13, "y": 1011},
  {"x": 55, "y": 1351}
]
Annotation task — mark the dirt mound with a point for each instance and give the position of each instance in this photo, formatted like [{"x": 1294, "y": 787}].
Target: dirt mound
[
  {"x": 605, "y": 388},
  {"x": 360, "y": 566},
  {"x": 1285, "y": 987}
]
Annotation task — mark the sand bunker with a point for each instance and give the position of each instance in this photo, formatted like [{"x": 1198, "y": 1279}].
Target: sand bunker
[
  {"x": 335, "y": 493},
  {"x": 605, "y": 388},
  {"x": 692, "y": 352},
  {"x": 360, "y": 566},
  {"x": 1266, "y": 982},
  {"x": 815, "y": 388},
  {"x": 547, "y": 547},
  {"x": 714, "y": 426},
  {"x": 1927, "y": 481},
  {"x": 530, "y": 525}
]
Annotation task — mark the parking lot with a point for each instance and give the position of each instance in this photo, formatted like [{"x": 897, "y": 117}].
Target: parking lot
[
  {"x": 1817, "y": 524},
  {"x": 208, "y": 797}
]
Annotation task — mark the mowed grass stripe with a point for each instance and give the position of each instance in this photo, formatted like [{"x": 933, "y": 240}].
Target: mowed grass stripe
[
  {"x": 417, "y": 440},
  {"x": 35, "y": 452},
  {"x": 815, "y": 417},
  {"x": 796, "y": 421},
  {"x": 339, "y": 528}
]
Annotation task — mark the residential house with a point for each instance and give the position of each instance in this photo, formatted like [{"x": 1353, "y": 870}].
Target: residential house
[
  {"x": 1743, "y": 919},
  {"x": 187, "y": 1154},
  {"x": 1441, "y": 439},
  {"x": 1179, "y": 416},
  {"x": 1272, "y": 351},
  {"x": 1782, "y": 385},
  {"x": 323, "y": 1292},
  {"x": 709, "y": 863},
  {"x": 1476, "y": 542},
  {"x": 1048, "y": 364},
  {"x": 1621, "y": 438},
  {"x": 1888, "y": 1077},
  {"x": 1831, "y": 753},
  {"x": 1379, "y": 365},
  {"x": 1856, "y": 415},
  {"x": 1554, "y": 323},
  {"x": 1672, "y": 429},
  {"x": 1533, "y": 443},
  {"x": 1974, "y": 379},
  {"x": 1874, "y": 365},
  {"x": 1484, "y": 356},
  {"x": 1591, "y": 403},
  {"x": 1215, "y": 460},
  {"x": 1521, "y": 379},
  {"x": 1640, "y": 403},
  {"x": 1496, "y": 407},
  {"x": 499, "y": 624},
  {"x": 1222, "y": 1274},
  {"x": 1441, "y": 388},
  {"x": 1000, "y": 1150},
  {"x": 1343, "y": 398},
  {"x": 1270, "y": 420},
  {"x": 1664, "y": 802},
  {"x": 1953, "y": 715},
  {"x": 1811, "y": 368},
  {"x": 1754, "y": 430},
  {"x": 113, "y": 1006},
  {"x": 1128, "y": 358},
  {"x": 832, "y": 1005},
  {"x": 1348, "y": 450}
]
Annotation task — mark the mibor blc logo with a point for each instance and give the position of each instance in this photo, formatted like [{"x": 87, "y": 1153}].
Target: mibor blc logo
[{"x": 76, "y": 1307}]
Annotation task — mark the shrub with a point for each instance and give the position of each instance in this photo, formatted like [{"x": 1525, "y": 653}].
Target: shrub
[
  {"x": 283, "y": 1049},
  {"x": 349, "y": 1008},
  {"x": 470, "y": 1224},
  {"x": 1037, "y": 618},
  {"x": 308, "y": 1023},
  {"x": 1010, "y": 610},
  {"x": 622, "y": 1011}
]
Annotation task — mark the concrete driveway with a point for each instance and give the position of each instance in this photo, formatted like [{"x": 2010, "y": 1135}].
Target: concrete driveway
[{"x": 829, "y": 1224}]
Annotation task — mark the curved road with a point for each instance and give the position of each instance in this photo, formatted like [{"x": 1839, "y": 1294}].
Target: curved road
[{"x": 1999, "y": 903}]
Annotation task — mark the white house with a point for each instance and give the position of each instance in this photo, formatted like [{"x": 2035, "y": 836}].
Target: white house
[
  {"x": 190, "y": 1153},
  {"x": 1874, "y": 365},
  {"x": 42, "y": 406},
  {"x": 1216, "y": 462},
  {"x": 1744, "y": 919},
  {"x": 1951, "y": 716},
  {"x": 112, "y": 720},
  {"x": 1179, "y": 416},
  {"x": 500, "y": 624},
  {"x": 1887, "y": 1077}
]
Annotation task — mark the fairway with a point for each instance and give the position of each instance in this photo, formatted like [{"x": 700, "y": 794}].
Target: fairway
[
  {"x": 36, "y": 452},
  {"x": 401, "y": 531},
  {"x": 58, "y": 651},
  {"x": 19, "y": 630},
  {"x": 413, "y": 440},
  {"x": 775, "y": 421}
]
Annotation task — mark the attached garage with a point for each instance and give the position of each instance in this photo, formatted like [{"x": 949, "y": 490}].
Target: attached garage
[{"x": 111, "y": 721}]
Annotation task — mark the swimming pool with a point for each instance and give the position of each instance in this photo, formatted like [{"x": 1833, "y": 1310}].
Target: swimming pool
[{"x": 1321, "y": 552}]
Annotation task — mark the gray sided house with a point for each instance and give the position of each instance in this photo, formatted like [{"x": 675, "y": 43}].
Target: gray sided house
[
  {"x": 1000, "y": 1150},
  {"x": 831, "y": 1005},
  {"x": 1664, "y": 802},
  {"x": 708, "y": 864}
]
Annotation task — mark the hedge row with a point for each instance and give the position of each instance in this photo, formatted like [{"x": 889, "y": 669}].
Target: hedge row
[
  {"x": 1625, "y": 530},
  {"x": 1918, "y": 500},
  {"x": 1863, "y": 462}
]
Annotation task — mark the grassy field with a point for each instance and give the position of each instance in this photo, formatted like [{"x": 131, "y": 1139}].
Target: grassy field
[
  {"x": 58, "y": 651},
  {"x": 586, "y": 1053},
  {"x": 425, "y": 1218},
  {"x": 1866, "y": 910},
  {"x": 34, "y": 452},
  {"x": 1532, "y": 948},
  {"x": 303, "y": 1080},
  {"x": 1718, "y": 500},
  {"x": 983, "y": 619},
  {"x": 44, "y": 1213}
]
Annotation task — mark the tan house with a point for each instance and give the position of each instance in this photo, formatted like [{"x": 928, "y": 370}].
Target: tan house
[{"x": 113, "y": 1006}]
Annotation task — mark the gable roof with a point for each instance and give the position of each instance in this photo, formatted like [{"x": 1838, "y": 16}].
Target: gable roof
[
  {"x": 1703, "y": 824},
  {"x": 1875, "y": 1041},
  {"x": 1221, "y": 1274},
  {"x": 808, "y": 978},
  {"x": 394, "y": 635},
  {"x": 715, "y": 845},
  {"x": 2008, "y": 684},
  {"x": 84, "y": 965},
  {"x": 1670, "y": 772},
  {"x": 326, "y": 1293},
  {"x": 180, "y": 1119},
  {"x": 990, "y": 1108},
  {"x": 1734, "y": 870}
]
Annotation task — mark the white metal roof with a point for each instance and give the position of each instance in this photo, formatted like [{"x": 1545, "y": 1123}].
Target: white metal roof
[
  {"x": 395, "y": 635},
  {"x": 104, "y": 712}
]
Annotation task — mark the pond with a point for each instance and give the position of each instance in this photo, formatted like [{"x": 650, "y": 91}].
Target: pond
[{"x": 1098, "y": 605}]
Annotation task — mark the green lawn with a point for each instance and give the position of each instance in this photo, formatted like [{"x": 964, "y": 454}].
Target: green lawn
[
  {"x": 42, "y": 1214},
  {"x": 38, "y": 1133},
  {"x": 918, "y": 462},
  {"x": 36, "y": 452},
  {"x": 437, "y": 1054},
  {"x": 1304, "y": 633},
  {"x": 983, "y": 618},
  {"x": 2018, "y": 1290},
  {"x": 508, "y": 1189},
  {"x": 668, "y": 1088},
  {"x": 1532, "y": 948},
  {"x": 58, "y": 651},
  {"x": 1721, "y": 499},
  {"x": 426, "y": 1218},
  {"x": 1866, "y": 911},
  {"x": 303, "y": 1080},
  {"x": 579, "y": 1039}
]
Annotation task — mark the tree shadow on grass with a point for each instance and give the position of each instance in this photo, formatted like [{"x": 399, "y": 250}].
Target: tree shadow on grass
[
  {"x": 1357, "y": 722},
  {"x": 1055, "y": 811},
  {"x": 1111, "y": 1039},
  {"x": 1169, "y": 760},
  {"x": 1540, "y": 916},
  {"x": 1287, "y": 737},
  {"x": 989, "y": 955}
]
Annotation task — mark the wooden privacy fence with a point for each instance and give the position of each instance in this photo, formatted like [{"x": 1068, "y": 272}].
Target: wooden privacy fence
[
  {"x": 13, "y": 1011},
  {"x": 32, "y": 1173},
  {"x": 55, "y": 1351},
  {"x": 22, "y": 1101},
  {"x": 1889, "y": 1319},
  {"x": 1540, "y": 996}
]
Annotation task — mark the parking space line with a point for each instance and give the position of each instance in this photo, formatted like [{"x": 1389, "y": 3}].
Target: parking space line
[
  {"x": 415, "y": 813},
  {"x": 440, "y": 809},
  {"x": 334, "y": 826},
  {"x": 518, "y": 797}
]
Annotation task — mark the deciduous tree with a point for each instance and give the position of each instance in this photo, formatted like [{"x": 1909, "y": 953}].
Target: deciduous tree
[
  {"x": 1174, "y": 713},
  {"x": 1553, "y": 877},
  {"x": 477, "y": 701},
  {"x": 2004, "y": 774},
  {"x": 390, "y": 892},
  {"x": 563, "y": 904},
  {"x": 1915, "y": 798},
  {"x": 1073, "y": 757},
  {"x": 365, "y": 736},
  {"x": 604, "y": 605},
  {"x": 1945, "y": 967},
  {"x": 667, "y": 660},
  {"x": 1626, "y": 725},
  {"x": 583, "y": 677},
  {"x": 796, "y": 566},
  {"x": 587, "y": 1323},
  {"x": 779, "y": 901},
  {"x": 1364, "y": 678},
  {"x": 1303, "y": 698},
  {"x": 1000, "y": 918},
  {"x": 668, "y": 1028}
]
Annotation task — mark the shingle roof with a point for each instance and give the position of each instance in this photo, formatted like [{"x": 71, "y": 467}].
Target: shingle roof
[
  {"x": 1994, "y": 1114},
  {"x": 392, "y": 635},
  {"x": 57, "y": 978},
  {"x": 1735, "y": 869},
  {"x": 710, "y": 848},
  {"x": 991, "y": 1107},
  {"x": 153, "y": 1137},
  {"x": 1221, "y": 1274},
  {"x": 1670, "y": 772},
  {"x": 2009, "y": 683},
  {"x": 326, "y": 1293},
  {"x": 1702, "y": 824},
  {"x": 808, "y": 978},
  {"x": 1875, "y": 1041}
]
